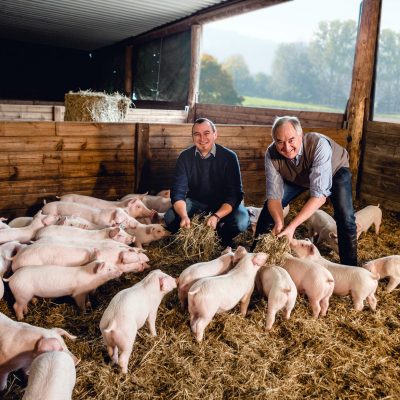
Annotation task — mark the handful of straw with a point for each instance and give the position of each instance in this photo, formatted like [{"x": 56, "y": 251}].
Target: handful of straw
[
  {"x": 275, "y": 248},
  {"x": 198, "y": 242}
]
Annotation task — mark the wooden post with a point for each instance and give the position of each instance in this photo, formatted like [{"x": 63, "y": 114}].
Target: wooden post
[
  {"x": 195, "y": 65},
  {"x": 361, "y": 86},
  {"x": 142, "y": 177},
  {"x": 128, "y": 71}
]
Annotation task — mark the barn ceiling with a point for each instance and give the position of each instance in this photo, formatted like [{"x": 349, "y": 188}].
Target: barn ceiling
[{"x": 90, "y": 24}]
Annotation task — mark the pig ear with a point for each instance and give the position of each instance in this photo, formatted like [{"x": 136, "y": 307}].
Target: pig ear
[
  {"x": 148, "y": 230},
  {"x": 259, "y": 259},
  {"x": 165, "y": 284},
  {"x": 48, "y": 344},
  {"x": 133, "y": 201},
  {"x": 114, "y": 232},
  {"x": 99, "y": 267},
  {"x": 332, "y": 235},
  {"x": 227, "y": 250},
  {"x": 359, "y": 228}
]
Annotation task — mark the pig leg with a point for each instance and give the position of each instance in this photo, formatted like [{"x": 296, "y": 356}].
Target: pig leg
[
  {"x": 3, "y": 379},
  {"x": 357, "y": 301},
  {"x": 151, "y": 322},
  {"x": 377, "y": 226},
  {"x": 182, "y": 295},
  {"x": 80, "y": 300},
  {"x": 198, "y": 326},
  {"x": 244, "y": 302},
  {"x": 324, "y": 303},
  {"x": 20, "y": 309},
  {"x": 270, "y": 317},
  {"x": 126, "y": 352},
  {"x": 393, "y": 282},
  {"x": 371, "y": 300},
  {"x": 315, "y": 306}
]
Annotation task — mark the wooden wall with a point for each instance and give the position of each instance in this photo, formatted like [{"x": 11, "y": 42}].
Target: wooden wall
[
  {"x": 380, "y": 168},
  {"x": 221, "y": 114},
  {"x": 45, "y": 112},
  {"x": 41, "y": 160},
  {"x": 161, "y": 145}
]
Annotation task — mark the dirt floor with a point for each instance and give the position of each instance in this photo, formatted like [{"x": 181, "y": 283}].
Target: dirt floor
[{"x": 346, "y": 355}]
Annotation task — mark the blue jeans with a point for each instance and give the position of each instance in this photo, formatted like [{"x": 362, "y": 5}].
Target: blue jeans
[
  {"x": 227, "y": 228},
  {"x": 342, "y": 202}
]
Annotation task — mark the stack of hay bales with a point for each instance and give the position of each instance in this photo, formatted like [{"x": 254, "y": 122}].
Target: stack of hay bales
[{"x": 87, "y": 106}]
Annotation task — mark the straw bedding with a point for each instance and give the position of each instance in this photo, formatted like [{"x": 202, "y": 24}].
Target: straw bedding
[{"x": 346, "y": 355}]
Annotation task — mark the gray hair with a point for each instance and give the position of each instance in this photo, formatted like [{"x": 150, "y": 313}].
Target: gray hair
[{"x": 279, "y": 121}]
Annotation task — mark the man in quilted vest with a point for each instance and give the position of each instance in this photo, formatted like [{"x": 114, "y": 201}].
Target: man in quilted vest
[{"x": 295, "y": 163}]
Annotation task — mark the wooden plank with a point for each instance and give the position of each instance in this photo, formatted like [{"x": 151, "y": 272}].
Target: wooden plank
[
  {"x": 142, "y": 157},
  {"x": 31, "y": 158},
  {"x": 59, "y": 170},
  {"x": 380, "y": 198},
  {"x": 58, "y": 113},
  {"x": 94, "y": 129},
  {"x": 66, "y": 143},
  {"x": 35, "y": 129},
  {"x": 25, "y": 108}
]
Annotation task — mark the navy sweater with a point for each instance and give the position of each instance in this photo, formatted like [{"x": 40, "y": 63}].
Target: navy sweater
[{"x": 212, "y": 181}]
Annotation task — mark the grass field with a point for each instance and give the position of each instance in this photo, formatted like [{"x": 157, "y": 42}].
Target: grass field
[{"x": 271, "y": 103}]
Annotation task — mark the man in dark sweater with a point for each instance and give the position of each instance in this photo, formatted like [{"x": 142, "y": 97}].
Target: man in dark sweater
[
  {"x": 295, "y": 163},
  {"x": 207, "y": 180}
]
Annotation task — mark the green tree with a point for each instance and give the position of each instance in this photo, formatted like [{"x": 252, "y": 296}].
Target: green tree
[
  {"x": 242, "y": 80},
  {"x": 331, "y": 53},
  {"x": 262, "y": 85},
  {"x": 388, "y": 73},
  {"x": 216, "y": 85},
  {"x": 293, "y": 77}
]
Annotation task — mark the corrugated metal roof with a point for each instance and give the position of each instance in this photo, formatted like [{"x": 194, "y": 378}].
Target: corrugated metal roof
[{"x": 89, "y": 24}]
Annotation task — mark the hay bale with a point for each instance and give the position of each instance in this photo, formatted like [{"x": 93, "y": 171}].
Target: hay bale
[{"x": 87, "y": 106}]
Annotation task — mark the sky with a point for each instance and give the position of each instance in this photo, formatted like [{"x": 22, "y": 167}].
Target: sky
[{"x": 296, "y": 20}]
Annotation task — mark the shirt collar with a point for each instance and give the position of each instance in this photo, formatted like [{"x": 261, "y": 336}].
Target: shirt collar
[
  {"x": 296, "y": 160},
  {"x": 212, "y": 152}
]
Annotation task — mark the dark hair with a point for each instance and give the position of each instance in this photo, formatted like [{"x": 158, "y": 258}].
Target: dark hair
[{"x": 201, "y": 120}]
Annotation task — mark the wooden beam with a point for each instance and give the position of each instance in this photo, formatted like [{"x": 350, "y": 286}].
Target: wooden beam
[
  {"x": 142, "y": 158},
  {"x": 361, "y": 87},
  {"x": 214, "y": 13},
  {"x": 128, "y": 71},
  {"x": 58, "y": 113},
  {"x": 195, "y": 65}
]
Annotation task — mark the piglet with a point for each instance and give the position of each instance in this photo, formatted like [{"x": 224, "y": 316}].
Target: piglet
[
  {"x": 27, "y": 233},
  {"x": 322, "y": 227},
  {"x": 133, "y": 207},
  {"x": 117, "y": 234},
  {"x": 19, "y": 222},
  {"x": 3, "y": 225},
  {"x": 366, "y": 217},
  {"x": 52, "y": 376},
  {"x": 55, "y": 281},
  {"x": 313, "y": 280},
  {"x": 145, "y": 234},
  {"x": 386, "y": 267},
  {"x": 98, "y": 216},
  {"x": 357, "y": 282},
  {"x": 7, "y": 252},
  {"x": 277, "y": 285},
  {"x": 129, "y": 310},
  {"x": 78, "y": 222},
  {"x": 217, "y": 294},
  {"x": 20, "y": 343},
  {"x": 201, "y": 270}
]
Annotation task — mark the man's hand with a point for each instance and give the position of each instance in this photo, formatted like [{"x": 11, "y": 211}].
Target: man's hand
[
  {"x": 212, "y": 221},
  {"x": 277, "y": 229},
  {"x": 289, "y": 232},
  {"x": 185, "y": 222}
]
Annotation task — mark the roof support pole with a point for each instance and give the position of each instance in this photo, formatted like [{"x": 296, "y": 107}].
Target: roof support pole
[
  {"x": 361, "y": 86},
  {"x": 195, "y": 65}
]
